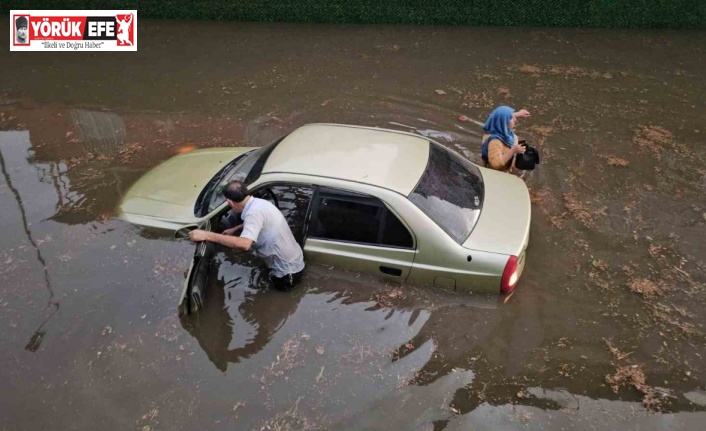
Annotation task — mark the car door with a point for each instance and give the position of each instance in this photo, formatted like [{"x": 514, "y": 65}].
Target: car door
[
  {"x": 194, "y": 291},
  {"x": 359, "y": 232},
  {"x": 293, "y": 200}
]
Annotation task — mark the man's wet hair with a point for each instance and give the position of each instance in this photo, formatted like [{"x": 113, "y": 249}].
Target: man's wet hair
[{"x": 235, "y": 191}]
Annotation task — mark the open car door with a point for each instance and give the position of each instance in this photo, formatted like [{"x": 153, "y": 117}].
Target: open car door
[
  {"x": 293, "y": 200},
  {"x": 194, "y": 291}
]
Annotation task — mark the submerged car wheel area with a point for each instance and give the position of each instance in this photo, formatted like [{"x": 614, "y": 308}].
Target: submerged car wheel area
[{"x": 375, "y": 200}]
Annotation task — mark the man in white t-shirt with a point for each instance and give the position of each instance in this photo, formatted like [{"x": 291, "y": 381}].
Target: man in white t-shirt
[{"x": 264, "y": 230}]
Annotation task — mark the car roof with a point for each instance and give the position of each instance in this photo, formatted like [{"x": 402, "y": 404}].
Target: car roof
[{"x": 380, "y": 157}]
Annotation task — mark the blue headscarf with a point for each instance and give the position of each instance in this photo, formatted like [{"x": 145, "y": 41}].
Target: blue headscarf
[{"x": 498, "y": 127}]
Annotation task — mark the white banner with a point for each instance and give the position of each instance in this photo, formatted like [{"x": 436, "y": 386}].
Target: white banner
[{"x": 73, "y": 30}]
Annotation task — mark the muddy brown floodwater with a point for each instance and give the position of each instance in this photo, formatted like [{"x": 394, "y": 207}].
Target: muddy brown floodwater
[{"x": 606, "y": 330}]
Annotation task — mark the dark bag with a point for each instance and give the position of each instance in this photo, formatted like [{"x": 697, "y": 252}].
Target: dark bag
[{"x": 527, "y": 160}]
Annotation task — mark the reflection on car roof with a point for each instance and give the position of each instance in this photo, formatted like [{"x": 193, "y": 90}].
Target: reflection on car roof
[{"x": 380, "y": 157}]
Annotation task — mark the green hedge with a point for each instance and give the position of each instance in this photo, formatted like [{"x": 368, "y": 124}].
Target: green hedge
[{"x": 531, "y": 13}]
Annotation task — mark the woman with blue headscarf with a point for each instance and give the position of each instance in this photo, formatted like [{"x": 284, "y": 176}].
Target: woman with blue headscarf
[{"x": 500, "y": 144}]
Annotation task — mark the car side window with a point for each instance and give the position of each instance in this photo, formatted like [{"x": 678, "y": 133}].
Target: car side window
[
  {"x": 395, "y": 233},
  {"x": 357, "y": 218},
  {"x": 293, "y": 201},
  {"x": 346, "y": 221}
]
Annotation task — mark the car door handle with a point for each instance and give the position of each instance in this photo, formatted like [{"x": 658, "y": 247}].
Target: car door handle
[{"x": 391, "y": 271}]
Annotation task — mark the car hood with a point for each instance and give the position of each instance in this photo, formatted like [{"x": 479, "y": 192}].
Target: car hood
[
  {"x": 169, "y": 191},
  {"x": 504, "y": 222}
]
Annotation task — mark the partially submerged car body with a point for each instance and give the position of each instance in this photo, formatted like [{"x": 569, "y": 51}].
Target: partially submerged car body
[
  {"x": 164, "y": 197},
  {"x": 369, "y": 199}
]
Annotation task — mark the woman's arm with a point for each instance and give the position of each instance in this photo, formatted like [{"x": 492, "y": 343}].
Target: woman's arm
[
  {"x": 522, "y": 113},
  {"x": 497, "y": 158}
]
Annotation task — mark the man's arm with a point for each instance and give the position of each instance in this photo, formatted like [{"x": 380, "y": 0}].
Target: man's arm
[
  {"x": 236, "y": 242},
  {"x": 233, "y": 230}
]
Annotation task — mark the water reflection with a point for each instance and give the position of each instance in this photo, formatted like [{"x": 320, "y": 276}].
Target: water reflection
[
  {"x": 240, "y": 314},
  {"x": 84, "y": 157},
  {"x": 411, "y": 408},
  {"x": 574, "y": 412},
  {"x": 101, "y": 132},
  {"x": 15, "y": 148},
  {"x": 373, "y": 362}
]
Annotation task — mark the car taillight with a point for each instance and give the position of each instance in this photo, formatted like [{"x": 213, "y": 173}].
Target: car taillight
[{"x": 509, "y": 279}]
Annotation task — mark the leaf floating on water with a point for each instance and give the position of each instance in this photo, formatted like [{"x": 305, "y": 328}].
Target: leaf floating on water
[
  {"x": 321, "y": 373},
  {"x": 440, "y": 92}
]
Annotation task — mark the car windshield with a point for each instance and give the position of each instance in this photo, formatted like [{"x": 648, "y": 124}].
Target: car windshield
[
  {"x": 450, "y": 192},
  {"x": 246, "y": 168}
]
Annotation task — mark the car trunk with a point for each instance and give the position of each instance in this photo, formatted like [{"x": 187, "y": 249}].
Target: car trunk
[{"x": 504, "y": 222}]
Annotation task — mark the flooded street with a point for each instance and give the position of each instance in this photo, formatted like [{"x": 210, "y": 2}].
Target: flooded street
[{"x": 605, "y": 331}]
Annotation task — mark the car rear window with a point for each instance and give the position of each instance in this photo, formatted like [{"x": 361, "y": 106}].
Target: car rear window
[{"x": 450, "y": 192}]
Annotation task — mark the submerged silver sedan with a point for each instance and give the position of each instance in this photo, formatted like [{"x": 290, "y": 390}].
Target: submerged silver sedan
[{"x": 376, "y": 200}]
